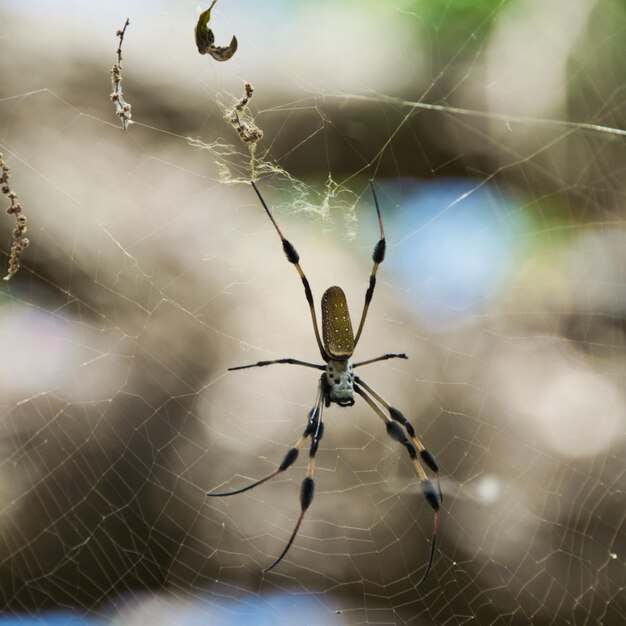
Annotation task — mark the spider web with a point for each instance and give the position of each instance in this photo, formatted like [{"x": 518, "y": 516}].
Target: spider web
[{"x": 495, "y": 135}]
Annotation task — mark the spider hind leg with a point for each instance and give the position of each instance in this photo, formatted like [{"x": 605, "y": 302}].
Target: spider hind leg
[
  {"x": 378, "y": 256},
  {"x": 294, "y": 258}
]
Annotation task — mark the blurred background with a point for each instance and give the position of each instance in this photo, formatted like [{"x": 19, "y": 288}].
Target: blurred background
[{"x": 494, "y": 131}]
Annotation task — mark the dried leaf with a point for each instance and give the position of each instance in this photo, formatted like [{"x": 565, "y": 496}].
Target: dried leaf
[{"x": 205, "y": 39}]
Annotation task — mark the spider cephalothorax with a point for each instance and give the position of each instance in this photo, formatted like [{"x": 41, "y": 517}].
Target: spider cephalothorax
[{"x": 338, "y": 384}]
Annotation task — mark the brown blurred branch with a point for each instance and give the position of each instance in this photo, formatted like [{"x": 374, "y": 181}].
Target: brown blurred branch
[
  {"x": 122, "y": 108},
  {"x": 20, "y": 242}
]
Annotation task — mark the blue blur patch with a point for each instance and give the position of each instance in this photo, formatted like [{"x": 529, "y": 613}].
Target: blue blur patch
[
  {"x": 278, "y": 609},
  {"x": 453, "y": 244},
  {"x": 275, "y": 609}
]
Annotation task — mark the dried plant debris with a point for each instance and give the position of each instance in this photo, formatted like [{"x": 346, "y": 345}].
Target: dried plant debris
[
  {"x": 242, "y": 121},
  {"x": 205, "y": 39},
  {"x": 20, "y": 242},
  {"x": 240, "y": 118},
  {"x": 122, "y": 108}
]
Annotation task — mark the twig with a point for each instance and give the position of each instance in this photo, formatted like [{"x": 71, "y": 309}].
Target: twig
[
  {"x": 122, "y": 108},
  {"x": 20, "y": 242}
]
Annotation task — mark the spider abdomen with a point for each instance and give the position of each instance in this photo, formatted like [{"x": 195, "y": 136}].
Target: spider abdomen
[
  {"x": 340, "y": 379},
  {"x": 336, "y": 324}
]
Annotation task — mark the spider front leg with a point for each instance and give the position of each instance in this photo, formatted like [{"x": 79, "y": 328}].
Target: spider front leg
[
  {"x": 292, "y": 454},
  {"x": 425, "y": 455},
  {"x": 315, "y": 430},
  {"x": 428, "y": 489},
  {"x": 307, "y": 489}
]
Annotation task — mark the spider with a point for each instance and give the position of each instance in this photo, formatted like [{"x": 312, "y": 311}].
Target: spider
[{"x": 338, "y": 384}]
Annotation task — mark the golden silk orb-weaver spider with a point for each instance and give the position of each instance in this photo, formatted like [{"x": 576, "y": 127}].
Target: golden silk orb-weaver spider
[{"x": 338, "y": 384}]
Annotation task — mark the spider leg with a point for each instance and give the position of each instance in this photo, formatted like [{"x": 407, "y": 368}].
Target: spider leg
[
  {"x": 426, "y": 456},
  {"x": 292, "y": 454},
  {"x": 428, "y": 489},
  {"x": 294, "y": 258},
  {"x": 275, "y": 361},
  {"x": 308, "y": 485},
  {"x": 378, "y": 256},
  {"x": 384, "y": 357}
]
